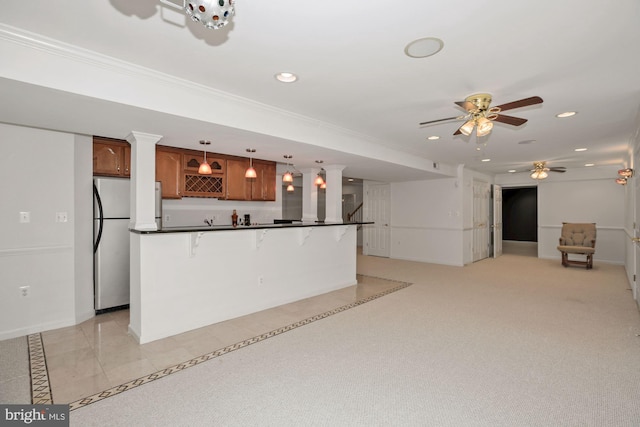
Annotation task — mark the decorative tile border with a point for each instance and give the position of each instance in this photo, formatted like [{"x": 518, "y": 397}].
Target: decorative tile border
[
  {"x": 43, "y": 381},
  {"x": 40, "y": 387}
]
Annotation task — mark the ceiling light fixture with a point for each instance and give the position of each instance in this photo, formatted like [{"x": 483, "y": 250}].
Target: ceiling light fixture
[
  {"x": 580, "y": 149},
  {"x": 626, "y": 173},
  {"x": 205, "y": 168},
  {"x": 539, "y": 171},
  {"x": 288, "y": 176},
  {"x": 621, "y": 181},
  {"x": 290, "y": 188},
  {"x": 433, "y": 137},
  {"x": 511, "y": 171},
  {"x": 589, "y": 164},
  {"x": 210, "y": 13},
  {"x": 285, "y": 77},
  {"x": 566, "y": 114},
  {"x": 319, "y": 181},
  {"x": 251, "y": 172}
]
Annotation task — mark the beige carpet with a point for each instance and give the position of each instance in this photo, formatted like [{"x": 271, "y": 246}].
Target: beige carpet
[{"x": 516, "y": 341}]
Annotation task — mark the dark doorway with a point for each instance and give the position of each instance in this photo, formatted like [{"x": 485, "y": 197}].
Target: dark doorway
[{"x": 520, "y": 214}]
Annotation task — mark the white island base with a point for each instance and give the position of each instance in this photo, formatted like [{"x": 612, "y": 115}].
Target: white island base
[{"x": 185, "y": 280}]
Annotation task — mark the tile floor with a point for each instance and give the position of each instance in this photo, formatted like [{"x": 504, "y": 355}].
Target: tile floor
[{"x": 97, "y": 358}]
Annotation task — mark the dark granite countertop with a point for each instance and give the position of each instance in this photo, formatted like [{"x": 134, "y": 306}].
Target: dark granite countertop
[{"x": 295, "y": 224}]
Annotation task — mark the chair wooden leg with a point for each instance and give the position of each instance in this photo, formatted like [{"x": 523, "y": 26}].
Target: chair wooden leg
[{"x": 565, "y": 259}]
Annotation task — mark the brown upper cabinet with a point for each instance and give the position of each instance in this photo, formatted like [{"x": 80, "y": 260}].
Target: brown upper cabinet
[
  {"x": 169, "y": 172},
  {"x": 238, "y": 187},
  {"x": 111, "y": 157},
  {"x": 264, "y": 186},
  {"x": 177, "y": 169}
]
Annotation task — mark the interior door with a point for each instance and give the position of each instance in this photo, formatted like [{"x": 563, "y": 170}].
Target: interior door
[
  {"x": 497, "y": 221},
  {"x": 481, "y": 220},
  {"x": 377, "y": 209}
]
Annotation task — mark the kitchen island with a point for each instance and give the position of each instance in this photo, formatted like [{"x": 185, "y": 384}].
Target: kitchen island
[{"x": 185, "y": 278}]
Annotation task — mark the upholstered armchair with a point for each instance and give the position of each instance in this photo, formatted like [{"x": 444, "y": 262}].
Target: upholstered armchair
[{"x": 578, "y": 239}]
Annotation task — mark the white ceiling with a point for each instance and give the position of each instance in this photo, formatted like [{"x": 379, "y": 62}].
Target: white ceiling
[{"x": 354, "y": 74}]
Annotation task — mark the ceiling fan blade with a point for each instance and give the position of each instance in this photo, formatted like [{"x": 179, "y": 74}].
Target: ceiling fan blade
[
  {"x": 466, "y": 105},
  {"x": 520, "y": 103},
  {"x": 510, "y": 120},
  {"x": 441, "y": 120},
  {"x": 560, "y": 169},
  {"x": 457, "y": 132}
]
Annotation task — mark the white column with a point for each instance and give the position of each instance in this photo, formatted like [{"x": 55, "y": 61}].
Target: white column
[
  {"x": 334, "y": 193},
  {"x": 309, "y": 195},
  {"x": 143, "y": 177}
]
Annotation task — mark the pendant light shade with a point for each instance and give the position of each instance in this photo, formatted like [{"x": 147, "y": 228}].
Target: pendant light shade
[
  {"x": 318, "y": 181},
  {"x": 205, "y": 168},
  {"x": 287, "y": 177},
  {"x": 290, "y": 188},
  {"x": 251, "y": 172},
  {"x": 484, "y": 126}
]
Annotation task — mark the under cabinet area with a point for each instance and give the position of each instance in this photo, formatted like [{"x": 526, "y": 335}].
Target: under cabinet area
[{"x": 111, "y": 157}]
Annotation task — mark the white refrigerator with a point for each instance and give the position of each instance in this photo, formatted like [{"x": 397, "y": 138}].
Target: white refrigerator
[{"x": 111, "y": 211}]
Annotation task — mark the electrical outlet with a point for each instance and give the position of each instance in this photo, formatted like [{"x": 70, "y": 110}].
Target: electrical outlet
[
  {"x": 61, "y": 217},
  {"x": 260, "y": 280},
  {"x": 167, "y": 218},
  {"x": 25, "y": 217},
  {"x": 24, "y": 291}
]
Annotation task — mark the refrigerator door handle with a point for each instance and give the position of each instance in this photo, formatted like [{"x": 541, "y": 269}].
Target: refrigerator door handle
[{"x": 100, "y": 216}]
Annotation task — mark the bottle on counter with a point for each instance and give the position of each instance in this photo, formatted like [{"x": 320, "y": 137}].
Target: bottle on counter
[{"x": 234, "y": 218}]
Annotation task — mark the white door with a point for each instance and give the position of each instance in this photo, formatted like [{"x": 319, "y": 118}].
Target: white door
[
  {"x": 481, "y": 232},
  {"x": 377, "y": 207},
  {"x": 636, "y": 223},
  {"x": 497, "y": 221}
]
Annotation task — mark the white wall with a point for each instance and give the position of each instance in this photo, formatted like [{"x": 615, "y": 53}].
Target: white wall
[
  {"x": 42, "y": 254},
  {"x": 427, "y": 221}
]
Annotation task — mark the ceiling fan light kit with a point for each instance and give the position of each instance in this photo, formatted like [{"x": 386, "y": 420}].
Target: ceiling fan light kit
[
  {"x": 481, "y": 117},
  {"x": 540, "y": 170}
]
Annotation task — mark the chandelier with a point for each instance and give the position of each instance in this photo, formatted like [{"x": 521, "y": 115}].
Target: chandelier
[{"x": 210, "y": 13}]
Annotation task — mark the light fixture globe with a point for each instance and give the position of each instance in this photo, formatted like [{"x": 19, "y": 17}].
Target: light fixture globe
[
  {"x": 211, "y": 13},
  {"x": 484, "y": 126},
  {"x": 287, "y": 177}
]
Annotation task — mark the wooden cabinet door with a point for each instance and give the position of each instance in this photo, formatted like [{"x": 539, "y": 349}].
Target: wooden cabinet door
[
  {"x": 169, "y": 171},
  {"x": 107, "y": 158},
  {"x": 264, "y": 186},
  {"x": 238, "y": 187},
  {"x": 126, "y": 158}
]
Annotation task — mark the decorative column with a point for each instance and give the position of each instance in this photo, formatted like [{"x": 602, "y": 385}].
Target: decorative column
[
  {"x": 309, "y": 195},
  {"x": 334, "y": 193},
  {"x": 143, "y": 177}
]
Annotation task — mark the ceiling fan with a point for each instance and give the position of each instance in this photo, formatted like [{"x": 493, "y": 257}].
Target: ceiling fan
[
  {"x": 481, "y": 117},
  {"x": 540, "y": 170}
]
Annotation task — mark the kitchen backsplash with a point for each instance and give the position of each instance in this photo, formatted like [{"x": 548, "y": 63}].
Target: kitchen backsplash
[{"x": 190, "y": 211}]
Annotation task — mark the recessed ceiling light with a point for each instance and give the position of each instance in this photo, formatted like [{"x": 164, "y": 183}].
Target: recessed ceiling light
[
  {"x": 511, "y": 170},
  {"x": 350, "y": 179},
  {"x": 486, "y": 160},
  {"x": 580, "y": 149},
  {"x": 423, "y": 48},
  {"x": 433, "y": 137},
  {"x": 589, "y": 164},
  {"x": 567, "y": 114},
  {"x": 286, "y": 77}
]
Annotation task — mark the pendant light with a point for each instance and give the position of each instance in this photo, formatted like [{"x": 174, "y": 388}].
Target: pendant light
[
  {"x": 319, "y": 180},
  {"x": 251, "y": 172},
  {"x": 205, "y": 168},
  {"x": 288, "y": 176},
  {"x": 290, "y": 188}
]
